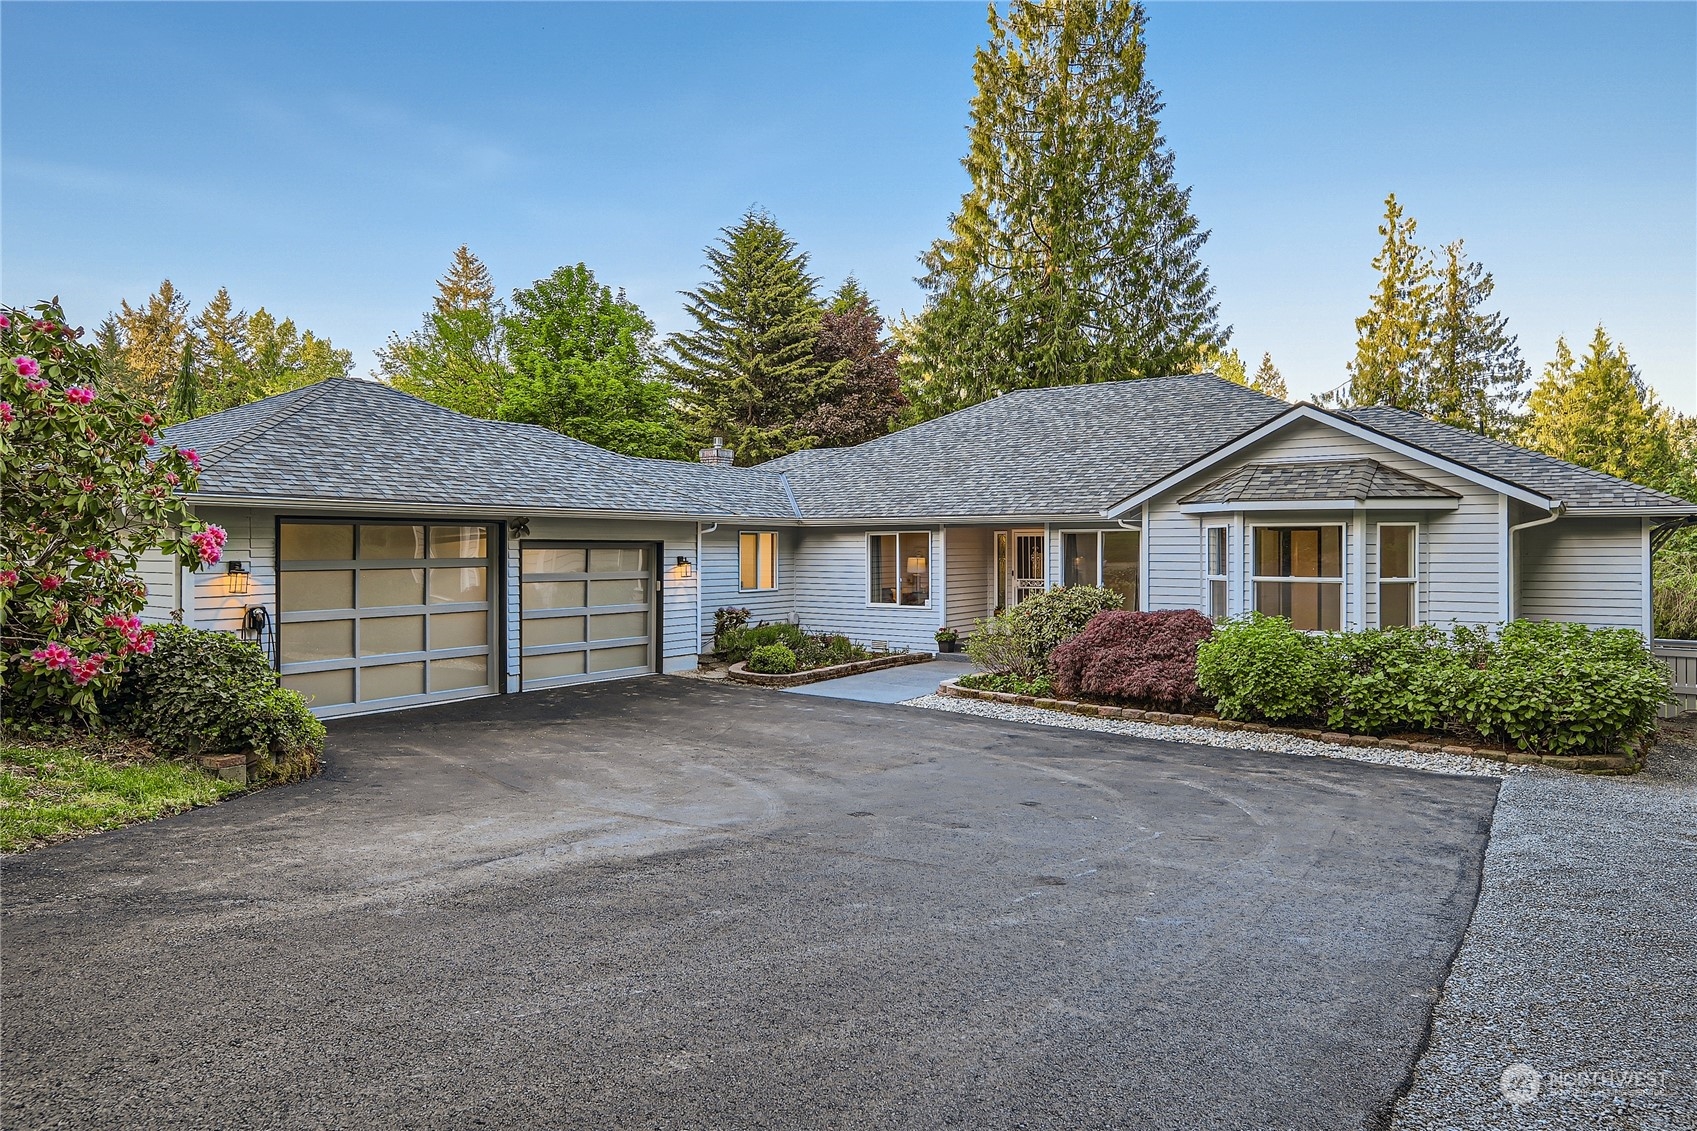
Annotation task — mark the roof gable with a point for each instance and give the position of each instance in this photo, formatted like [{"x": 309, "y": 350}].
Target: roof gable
[{"x": 1356, "y": 480}]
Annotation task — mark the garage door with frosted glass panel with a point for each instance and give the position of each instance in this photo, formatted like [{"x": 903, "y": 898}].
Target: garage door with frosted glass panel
[
  {"x": 376, "y": 615},
  {"x": 586, "y": 612}
]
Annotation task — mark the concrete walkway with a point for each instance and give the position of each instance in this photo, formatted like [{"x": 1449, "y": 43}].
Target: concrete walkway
[{"x": 891, "y": 685}]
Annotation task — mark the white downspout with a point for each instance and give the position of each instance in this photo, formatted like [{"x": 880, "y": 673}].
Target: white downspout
[
  {"x": 701, "y": 581},
  {"x": 1557, "y": 509}
]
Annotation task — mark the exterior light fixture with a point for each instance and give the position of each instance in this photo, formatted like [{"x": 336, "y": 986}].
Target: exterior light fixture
[
  {"x": 519, "y": 526},
  {"x": 683, "y": 566},
  {"x": 236, "y": 576}
]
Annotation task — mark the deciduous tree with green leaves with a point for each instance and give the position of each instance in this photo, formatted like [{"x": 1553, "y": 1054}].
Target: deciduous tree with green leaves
[
  {"x": 749, "y": 371},
  {"x": 1074, "y": 256}
]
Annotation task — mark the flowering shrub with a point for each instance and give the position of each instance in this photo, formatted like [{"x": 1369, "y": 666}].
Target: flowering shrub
[
  {"x": 1148, "y": 659},
  {"x": 82, "y": 502}
]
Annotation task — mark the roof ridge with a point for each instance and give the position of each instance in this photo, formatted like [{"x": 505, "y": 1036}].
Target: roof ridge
[{"x": 308, "y": 394}]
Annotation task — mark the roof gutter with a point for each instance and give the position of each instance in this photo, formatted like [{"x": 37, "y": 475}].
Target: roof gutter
[
  {"x": 450, "y": 510},
  {"x": 1557, "y": 509}
]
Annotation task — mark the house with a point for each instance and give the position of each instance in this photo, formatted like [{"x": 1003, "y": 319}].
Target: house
[{"x": 389, "y": 552}]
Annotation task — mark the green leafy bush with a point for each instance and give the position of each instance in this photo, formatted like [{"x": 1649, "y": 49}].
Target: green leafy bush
[
  {"x": 209, "y": 693},
  {"x": 827, "y": 651},
  {"x": 1674, "y": 595},
  {"x": 1552, "y": 688},
  {"x": 1018, "y": 641},
  {"x": 726, "y": 621},
  {"x": 1041, "y": 686},
  {"x": 739, "y": 643},
  {"x": 772, "y": 659}
]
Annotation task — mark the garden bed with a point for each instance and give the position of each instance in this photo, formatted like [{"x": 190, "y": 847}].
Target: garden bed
[
  {"x": 1590, "y": 764},
  {"x": 741, "y": 674}
]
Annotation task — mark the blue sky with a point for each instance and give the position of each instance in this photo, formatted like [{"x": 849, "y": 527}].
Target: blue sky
[{"x": 323, "y": 160}]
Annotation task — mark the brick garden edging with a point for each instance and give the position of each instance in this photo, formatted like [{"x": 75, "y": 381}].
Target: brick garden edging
[
  {"x": 1586, "y": 764},
  {"x": 740, "y": 672}
]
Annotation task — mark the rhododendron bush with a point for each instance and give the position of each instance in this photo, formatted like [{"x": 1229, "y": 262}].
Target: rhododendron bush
[{"x": 80, "y": 501}]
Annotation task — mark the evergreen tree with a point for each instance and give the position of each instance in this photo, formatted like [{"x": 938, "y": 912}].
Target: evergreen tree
[
  {"x": 1476, "y": 378},
  {"x": 583, "y": 362},
  {"x": 1598, "y": 412},
  {"x": 1074, "y": 255},
  {"x": 866, "y": 399},
  {"x": 225, "y": 379},
  {"x": 1269, "y": 380},
  {"x": 114, "y": 362},
  {"x": 457, "y": 359},
  {"x": 1393, "y": 349},
  {"x": 152, "y": 336},
  {"x": 280, "y": 356},
  {"x": 185, "y": 393},
  {"x": 748, "y": 371},
  {"x": 1225, "y": 364}
]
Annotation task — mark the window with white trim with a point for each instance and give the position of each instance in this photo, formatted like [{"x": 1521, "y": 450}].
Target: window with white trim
[
  {"x": 1399, "y": 574},
  {"x": 898, "y": 568},
  {"x": 1214, "y": 553},
  {"x": 757, "y": 559},
  {"x": 1299, "y": 575}
]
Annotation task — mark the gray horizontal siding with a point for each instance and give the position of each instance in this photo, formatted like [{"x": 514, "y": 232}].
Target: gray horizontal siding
[
  {"x": 968, "y": 566},
  {"x": 253, "y": 539},
  {"x": 159, "y": 573},
  {"x": 831, "y": 589},
  {"x": 721, "y": 578},
  {"x": 1583, "y": 570}
]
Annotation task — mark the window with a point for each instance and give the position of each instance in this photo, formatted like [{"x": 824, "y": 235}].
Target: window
[
  {"x": 1080, "y": 564},
  {"x": 899, "y": 569},
  {"x": 1299, "y": 575},
  {"x": 1399, "y": 573},
  {"x": 1214, "y": 548},
  {"x": 757, "y": 554},
  {"x": 1122, "y": 564}
]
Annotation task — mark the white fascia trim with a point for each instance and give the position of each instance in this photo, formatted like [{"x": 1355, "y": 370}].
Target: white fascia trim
[
  {"x": 1348, "y": 428},
  {"x": 1651, "y": 512},
  {"x": 455, "y": 510},
  {"x": 1446, "y": 503}
]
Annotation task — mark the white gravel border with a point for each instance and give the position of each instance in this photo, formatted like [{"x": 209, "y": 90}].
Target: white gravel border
[
  {"x": 1232, "y": 739},
  {"x": 1581, "y": 959}
]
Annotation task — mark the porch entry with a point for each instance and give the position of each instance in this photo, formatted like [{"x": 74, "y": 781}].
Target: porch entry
[{"x": 1109, "y": 558}]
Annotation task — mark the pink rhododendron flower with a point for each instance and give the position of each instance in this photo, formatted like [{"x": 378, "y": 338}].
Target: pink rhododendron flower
[
  {"x": 9, "y": 578},
  {"x": 55, "y": 656},
  {"x": 192, "y": 458},
  {"x": 147, "y": 419},
  {"x": 36, "y": 386},
  {"x": 85, "y": 484},
  {"x": 27, "y": 367},
  {"x": 79, "y": 394},
  {"x": 6, "y": 416},
  {"x": 89, "y": 668},
  {"x": 145, "y": 440},
  {"x": 5, "y": 323},
  {"x": 43, "y": 325},
  {"x": 51, "y": 582},
  {"x": 173, "y": 478},
  {"x": 94, "y": 554},
  {"x": 209, "y": 543}
]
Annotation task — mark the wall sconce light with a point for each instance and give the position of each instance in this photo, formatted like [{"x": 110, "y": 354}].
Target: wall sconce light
[
  {"x": 519, "y": 526},
  {"x": 683, "y": 567},
  {"x": 236, "y": 576}
]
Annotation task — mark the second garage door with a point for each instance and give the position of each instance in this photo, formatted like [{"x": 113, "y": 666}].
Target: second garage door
[{"x": 586, "y": 612}]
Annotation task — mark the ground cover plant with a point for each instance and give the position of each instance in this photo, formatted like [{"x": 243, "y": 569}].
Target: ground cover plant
[{"x": 738, "y": 642}]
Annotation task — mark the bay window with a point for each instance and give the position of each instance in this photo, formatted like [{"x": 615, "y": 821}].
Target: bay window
[
  {"x": 1299, "y": 575},
  {"x": 899, "y": 568}
]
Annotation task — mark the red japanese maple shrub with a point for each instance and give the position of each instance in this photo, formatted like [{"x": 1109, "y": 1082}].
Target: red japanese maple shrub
[{"x": 1141, "y": 659}]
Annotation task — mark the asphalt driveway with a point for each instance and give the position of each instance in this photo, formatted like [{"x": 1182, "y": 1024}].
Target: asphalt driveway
[{"x": 669, "y": 904}]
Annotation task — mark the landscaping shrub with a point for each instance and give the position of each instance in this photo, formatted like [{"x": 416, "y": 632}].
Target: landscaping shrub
[
  {"x": 726, "y": 621},
  {"x": 1040, "y": 687},
  {"x": 828, "y": 650},
  {"x": 209, "y": 693},
  {"x": 772, "y": 659},
  {"x": 1541, "y": 686},
  {"x": 1018, "y": 641},
  {"x": 1148, "y": 659},
  {"x": 739, "y": 643}
]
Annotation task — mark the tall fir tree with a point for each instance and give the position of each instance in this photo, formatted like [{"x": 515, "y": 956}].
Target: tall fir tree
[
  {"x": 1476, "y": 378},
  {"x": 1225, "y": 364},
  {"x": 114, "y": 362},
  {"x": 748, "y": 372},
  {"x": 1074, "y": 256},
  {"x": 152, "y": 336},
  {"x": 457, "y": 358},
  {"x": 1269, "y": 380},
  {"x": 224, "y": 376},
  {"x": 584, "y": 363},
  {"x": 185, "y": 393},
  {"x": 1598, "y": 412},
  {"x": 866, "y": 399},
  {"x": 1393, "y": 348}
]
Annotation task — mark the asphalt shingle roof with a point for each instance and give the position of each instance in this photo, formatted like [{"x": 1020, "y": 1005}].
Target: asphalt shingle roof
[
  {"x": 1349, "y": 479},
  {"x": 1578, "y": 487},
  {"x": 1072, "y": 450},
  {"x": 355, "y": 441}
]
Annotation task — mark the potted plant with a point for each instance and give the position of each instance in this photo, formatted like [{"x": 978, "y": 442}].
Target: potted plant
[{"x": 948, "y": 640}]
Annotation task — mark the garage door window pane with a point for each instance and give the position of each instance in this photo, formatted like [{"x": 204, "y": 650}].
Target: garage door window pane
[
  {"x": 459, "y": 630},
  {"x": 316, "y": 640},
  {"x": 613, "y": 626},
  {"x": 461, "y": 671},
  {"x": 383, "y": 588},
  {"x": 313, "y": 589},
  {"x": 552, "y": 630},
  {"x": 618, "y": 591},
  {"x": 616, "y": 559},
  {"x": 554, "y": 594},
  {"x": 391, "y": 543},
  {"x": 379, "y": 636},
  {"x": 459, "y": 542},
  {"x": 323, "y": 689},
  {"x": 554, "y": 560},
  {"x": 450, "y": 586},
  {"x": 390, "y": 681},
  {"x": 554, "y": 666},
  {"x": 316, "y": 542},
  {"x": 612, "y": 659}
]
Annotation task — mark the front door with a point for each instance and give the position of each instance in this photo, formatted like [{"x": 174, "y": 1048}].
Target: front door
[{"x": 1029, "y": 574}]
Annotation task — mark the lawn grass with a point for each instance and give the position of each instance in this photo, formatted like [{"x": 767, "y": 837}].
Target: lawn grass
[{"x": 54, "y": 792}]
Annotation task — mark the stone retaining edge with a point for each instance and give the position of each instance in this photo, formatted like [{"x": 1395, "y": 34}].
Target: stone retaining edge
[
  {"x": 1585, "y": 764},
  {"x": 739, "y": 671}
]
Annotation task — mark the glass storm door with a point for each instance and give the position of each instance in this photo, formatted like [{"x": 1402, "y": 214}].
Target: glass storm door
[{"x": 1029, "y": 573}]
